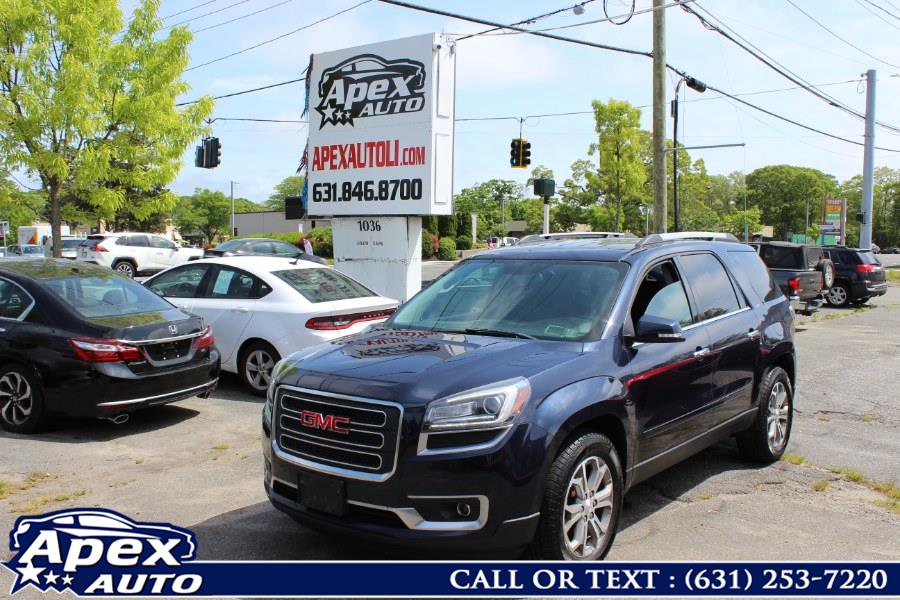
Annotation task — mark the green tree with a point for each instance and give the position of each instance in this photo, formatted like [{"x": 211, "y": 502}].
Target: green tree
[
  {"x": 206, "y": 212},
  {"x": 484, "y": 200},
  {"x": 884, "y": 228},
  {"x": 289, "y": 186},
  {"x": 90, "y": 114},
  {"x": 17, "y": 206},
  {"x": 622, "y": 172},
  {"x": 782, "y": 191}
]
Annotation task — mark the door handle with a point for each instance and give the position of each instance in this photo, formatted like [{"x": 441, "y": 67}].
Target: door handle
[
  {"x": 702, "y": 353},
  {"x": 241, "y": 309},
  {"x": 753, "y": 334}
]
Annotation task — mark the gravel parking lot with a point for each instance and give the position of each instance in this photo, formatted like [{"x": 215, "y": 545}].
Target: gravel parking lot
[{"x": 197, "y": 464}]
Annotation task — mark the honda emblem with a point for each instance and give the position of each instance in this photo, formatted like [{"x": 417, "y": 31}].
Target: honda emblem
[{"x": 173, "y": 329}]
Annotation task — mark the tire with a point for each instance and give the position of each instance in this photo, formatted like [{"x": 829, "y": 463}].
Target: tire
[
  {"x": 838, "y": 295},
  {"x": 256, "y": 364},
  {"x": 766, "y": 440},
  {"x": 21, "y": 400},
  {"x": 125, "y": 267},
  {"x": 826, "y": 267},
  {"x": 592, "y": 527}
]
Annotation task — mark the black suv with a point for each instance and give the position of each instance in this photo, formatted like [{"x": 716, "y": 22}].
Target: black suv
[
  {"x": 858, "y": 276},
  {"x": 514, "y": 401}
]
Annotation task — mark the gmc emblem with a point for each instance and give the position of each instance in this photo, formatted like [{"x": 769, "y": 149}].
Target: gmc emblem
[{"x": 315, "y": 420}]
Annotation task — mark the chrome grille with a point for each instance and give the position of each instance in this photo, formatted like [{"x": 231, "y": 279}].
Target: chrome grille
[{"x": 338, "y": 434}]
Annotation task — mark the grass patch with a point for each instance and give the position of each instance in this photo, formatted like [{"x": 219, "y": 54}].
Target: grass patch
[
  {"x": 709, "y": 496},
  {"x": 220, "y": 447},
  {"x": 5, "y": 489},
  {"x": 35, "y": 478},
  {"x": 139, "y": 461},
  {"x": 119, "y": 484},
  {"x": 794, "y": 459},
  {"x": 821, "y": 485},
  {"x": 867, "y": 418},
  {"x": 848, "y": 474},
  {"x": 891, "y": 505},
  {"x": 893, "y": 274},
  {"x": 823, "y": 417}
]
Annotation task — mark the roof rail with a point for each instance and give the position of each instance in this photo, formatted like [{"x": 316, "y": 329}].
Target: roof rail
[{"x": 709, "y": 236}]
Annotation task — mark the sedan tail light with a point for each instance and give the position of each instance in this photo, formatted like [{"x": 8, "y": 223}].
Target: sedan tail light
[
  {"x": 794, "y": 283},
  {"x": 334, "y": 322},
  {"x": 102, "y": 351},
  {"x": 865, "y": 268},
  {"x": 206, "y": 340}
]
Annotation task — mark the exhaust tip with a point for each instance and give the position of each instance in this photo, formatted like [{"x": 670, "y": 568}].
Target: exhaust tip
[{"x": 119, "y": 419}]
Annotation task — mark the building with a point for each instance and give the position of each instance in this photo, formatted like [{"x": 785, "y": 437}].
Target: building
[{"x": 273, "y": 221}]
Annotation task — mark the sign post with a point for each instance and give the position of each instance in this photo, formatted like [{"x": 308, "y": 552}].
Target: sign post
[{"x": 380, "y": 154}]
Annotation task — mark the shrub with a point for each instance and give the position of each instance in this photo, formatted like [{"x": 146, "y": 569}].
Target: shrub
[
  {"x": 447, "y": 226},
  {"x": 464, "y": 242},
  {"x": 323, "y": 241},
  {"x": 448, "y": 249},
  {"x": 427, "y": 245}
]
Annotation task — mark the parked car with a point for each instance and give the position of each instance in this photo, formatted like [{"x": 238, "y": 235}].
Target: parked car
[
  {"x": 134, "y": 253},
  {"x": 537, "y": 238},
  {"x": 891, "y": 250},
  {"x": 260, "y": 247},
  {"x": 802, "y": 272},
  {"x": 83, "y": 341},
  {"x": 858, "y": 276},
  {"x": 69, "y": 244},
  {"x": 2, "y": 251},
  {"x": 516, "y": 400},
  {"x": 876, "y": 249},
  {"x": 24, "y": 250},
  {"x": 263, "y": 308}
]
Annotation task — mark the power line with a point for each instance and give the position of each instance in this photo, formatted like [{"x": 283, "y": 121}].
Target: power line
[
  {"x": 213, "y": 120},
  {"x": 849, "y": 43},
  {"x": 279, "y": 37},
  {"x": 239, "y": 2},
  {"x": 251, "y": 90},
  {"x": 624, "y": 51},
  {"x": 773, "y": 64},
  {"x": 529, "y": 21},
  {"x": 187, "y": 10},
  {"x": 612, "y": 19},
  {"x": 876, "y": 15},
  {"x": 882, "y": 9},
  {"x": 242, "y": 17}
]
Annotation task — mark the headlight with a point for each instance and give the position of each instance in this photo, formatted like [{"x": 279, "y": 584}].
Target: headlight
[{"x": 486, "y": 407}]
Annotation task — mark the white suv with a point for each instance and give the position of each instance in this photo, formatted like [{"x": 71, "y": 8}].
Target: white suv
[{"x": 133, "y": 253}]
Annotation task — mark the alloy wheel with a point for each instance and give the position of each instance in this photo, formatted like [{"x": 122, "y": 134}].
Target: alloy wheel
[
  {"x": 588, "y": 507},
  {"x": 16, "y": 400},
  {"x": 125, "y": 269},
  {"x": 777, "y": 418},
  {"x": 259, "y": 367},
  {"x": 837, "y": 295}
]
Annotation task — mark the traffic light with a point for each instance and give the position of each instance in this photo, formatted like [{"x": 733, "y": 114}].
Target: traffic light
[
  {"x": 212, "y": 151},
  {"x": 515, "y": 153},
  {"x": 199, "y": 157},
  {"x": 526, "y": 153}
]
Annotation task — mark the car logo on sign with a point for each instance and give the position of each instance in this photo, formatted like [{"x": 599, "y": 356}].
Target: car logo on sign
[{"x": 173, "y": 329}]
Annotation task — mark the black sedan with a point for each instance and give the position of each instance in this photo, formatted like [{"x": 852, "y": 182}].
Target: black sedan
[
  {"x": 259, "y": 247},
  {"x": 81, "y": 340}
]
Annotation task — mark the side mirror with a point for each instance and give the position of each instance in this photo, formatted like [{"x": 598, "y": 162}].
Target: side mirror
[{"x": 651, "y": 329}]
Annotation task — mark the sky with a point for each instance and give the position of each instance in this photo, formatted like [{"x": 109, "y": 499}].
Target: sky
[{"x": 520, "y": 75}]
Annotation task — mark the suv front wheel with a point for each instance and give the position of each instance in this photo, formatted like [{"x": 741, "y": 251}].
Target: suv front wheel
[{"x": 582, "y": 501}]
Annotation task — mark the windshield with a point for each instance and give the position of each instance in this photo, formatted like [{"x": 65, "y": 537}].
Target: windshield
[
  {"x": 71, "y": 244},
  {"x": 231, "y": 245},
  {"x": 323, "y": 285},
  {"x": 545, "y": 299},
  {"x": 105, "y": 295},
  {"x": 32, "y": 250}
]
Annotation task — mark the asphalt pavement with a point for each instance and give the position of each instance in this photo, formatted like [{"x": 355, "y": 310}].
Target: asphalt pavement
[{"x": 197, "y": 463}]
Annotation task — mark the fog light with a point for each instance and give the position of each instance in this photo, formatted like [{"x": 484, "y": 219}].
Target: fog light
[{"x": 463, "y": 509}]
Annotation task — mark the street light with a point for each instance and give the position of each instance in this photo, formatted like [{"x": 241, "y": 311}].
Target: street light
[
  {"x": 698, "y": 86},
  {"x": 645, "y": 210}
]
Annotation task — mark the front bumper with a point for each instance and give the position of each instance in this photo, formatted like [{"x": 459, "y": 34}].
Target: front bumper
[{"x": 498, "y": 485}]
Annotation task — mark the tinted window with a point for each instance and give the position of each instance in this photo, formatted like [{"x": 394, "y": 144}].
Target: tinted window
[
  {"x": 712, "y": 288},
  {"x": 783, "y": 257},
  {"x": 139, "y": 241},
  {"x": 283, "y": 249},
  {"x": 753, "y": 274},
  {"x": 323, "y": 285},
  {"x": 546, "y": 299},
  {"x": 182, "y": 282},
  {"x": 105, "y": 295},
  {"x": 14, "y": 302},
  {"x": 92, "y": 242},
  {"x": 261, "y": 248},
  {"x": 662, "y": 294},
  {"x": 231, "y": 245},
  {"x": 234, "y": 283},
  {"x": 867, "y": 258},
  {"x": 71, "y": 244},
  {"x": 30, "y": 249},
  {"x": 160, "y": 242}
]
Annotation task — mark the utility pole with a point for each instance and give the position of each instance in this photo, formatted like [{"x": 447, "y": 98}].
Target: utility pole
[
  {"x": 660, "y": 210},
  {"x": 865, "y": 229},
  {"x": 232, "y": 210}
]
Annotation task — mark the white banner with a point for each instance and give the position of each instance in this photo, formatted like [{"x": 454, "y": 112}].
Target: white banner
[{"x": 381, "y": 129}]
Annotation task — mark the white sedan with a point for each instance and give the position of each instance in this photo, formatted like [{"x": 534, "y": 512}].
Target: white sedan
[{"x": 262, "y": 308}]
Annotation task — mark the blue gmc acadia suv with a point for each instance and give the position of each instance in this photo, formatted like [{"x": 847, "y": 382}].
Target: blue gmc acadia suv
[{"x": 512, "y": 403}]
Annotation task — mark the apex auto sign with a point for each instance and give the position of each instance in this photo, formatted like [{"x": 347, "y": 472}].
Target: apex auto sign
[{"x": 381, "y": 129}]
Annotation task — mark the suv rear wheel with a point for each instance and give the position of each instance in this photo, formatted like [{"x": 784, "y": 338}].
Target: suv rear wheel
[
  {"x": 838, "y": 295},
  {"x": 125, "y": 267},
  {"x": 766, "y": 440},
  {"x": 582, "y": 501}
]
